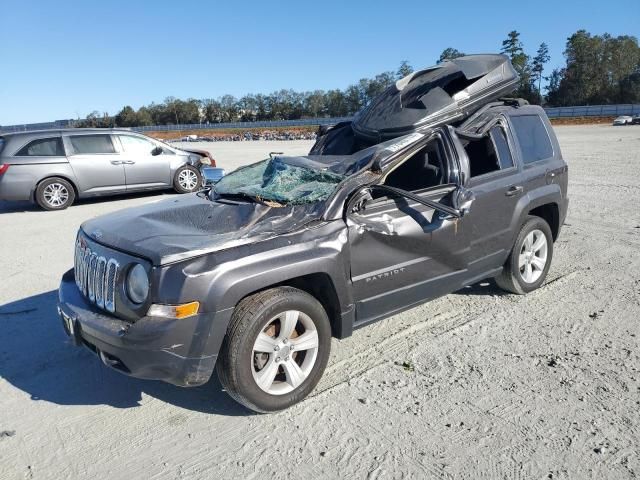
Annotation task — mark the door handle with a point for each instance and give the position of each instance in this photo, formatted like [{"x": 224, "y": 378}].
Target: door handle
[
  {"x": 514, "y": 190},
  {"x": 116, "y": 162},
  {"x": 128, "y": 162}
]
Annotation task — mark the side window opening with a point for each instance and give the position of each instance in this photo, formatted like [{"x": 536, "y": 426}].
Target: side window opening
[
  {"x": 43, "y": 147},
  {"x": 136, "y": 145},
  {"x": 490, "y": 153},
  {"x": 426, "y": 168},
  {"x": 91, "y": 144}
]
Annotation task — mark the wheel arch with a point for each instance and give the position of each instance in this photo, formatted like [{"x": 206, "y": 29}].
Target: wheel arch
[
  {"x": 550, "y": 213},
  {"x": 320, "y": 286},
  {"x": 62, "y": 176},
  {"x": 542, "y": 202}
]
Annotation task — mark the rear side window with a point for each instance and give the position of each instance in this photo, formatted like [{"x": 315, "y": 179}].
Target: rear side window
[
  {"x": 1, "y": 144},
  {"x": 43, "y": 147},
  {"x": 533, "y": 138},
  {"x": 89, "y": 144}
]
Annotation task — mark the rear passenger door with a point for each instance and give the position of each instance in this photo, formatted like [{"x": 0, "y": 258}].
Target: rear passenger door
[
  {"x": 142, "y": 168},
  {"x": 496, "y": 182},
  {"x": 541, "y": 162},
  {"x": 96, "y": 163}
]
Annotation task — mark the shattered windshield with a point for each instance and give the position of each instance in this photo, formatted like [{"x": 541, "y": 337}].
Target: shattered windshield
[{"x": 279, "y": 181}]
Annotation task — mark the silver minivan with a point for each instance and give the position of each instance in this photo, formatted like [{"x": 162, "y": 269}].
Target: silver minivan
[{"x": 54, "y": 167}]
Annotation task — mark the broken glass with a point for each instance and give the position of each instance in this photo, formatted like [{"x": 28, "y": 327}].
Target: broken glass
[{"x": 281, "y": 181}]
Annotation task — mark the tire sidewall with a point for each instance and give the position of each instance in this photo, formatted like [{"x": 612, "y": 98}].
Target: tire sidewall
[
  {"x": 534, "y": 223},
  {"x": 244, "y": 376},
  {"x": 39, "y": 196},
  {"x": 176, "y": 183}
]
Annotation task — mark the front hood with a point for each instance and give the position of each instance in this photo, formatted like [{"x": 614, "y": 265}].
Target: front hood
[{"x": 190, "y": 225}]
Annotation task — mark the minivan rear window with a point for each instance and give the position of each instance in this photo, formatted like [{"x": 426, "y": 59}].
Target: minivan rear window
[
  {"x": 532, "y": 137},
  {"x": 89, "y": 144},
  {"x": 43, "y": 147}
]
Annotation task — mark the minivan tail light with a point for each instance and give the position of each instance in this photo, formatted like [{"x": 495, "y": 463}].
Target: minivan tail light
[{"x": 3, "y": 168}]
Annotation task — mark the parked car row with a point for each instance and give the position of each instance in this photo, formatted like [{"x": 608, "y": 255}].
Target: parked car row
[
  {"x": 54, "y": 167},
  {"x": 250, "y": 136}
]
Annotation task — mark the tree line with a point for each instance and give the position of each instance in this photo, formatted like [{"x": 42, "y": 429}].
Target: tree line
[{"x": 599, "y": 69}]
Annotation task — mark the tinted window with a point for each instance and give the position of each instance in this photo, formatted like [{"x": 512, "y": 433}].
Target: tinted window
[
  {"x": 532, "y": 137},
  {"x": 44, "y": 147},
  {"x": 1, "y": 143},
  {"x": 86, "y": 144},
  {"x": 139, "y": 145},
  {"x": 502, "y": 147}
]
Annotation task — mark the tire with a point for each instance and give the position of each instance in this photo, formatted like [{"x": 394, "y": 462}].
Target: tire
[
  {"x": 526, "y": 268},
  {"x": 55, "y": 193},
  {"x": 187, "y": 179},
  {"x": 246, "y": 362}
]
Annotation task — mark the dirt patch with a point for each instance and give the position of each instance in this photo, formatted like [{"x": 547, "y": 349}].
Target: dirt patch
[{"x": 583, "y": 121}]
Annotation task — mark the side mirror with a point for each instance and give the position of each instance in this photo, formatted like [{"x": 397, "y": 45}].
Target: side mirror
[
  {"x": 462, "y": 200},
  {"x": 156, "y": 151},
  {"x": 212, "y": 175}
]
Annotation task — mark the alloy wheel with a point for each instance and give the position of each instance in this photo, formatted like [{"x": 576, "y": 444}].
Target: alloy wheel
[
  {"x": 188, "y": 179},
  {"x": 533, "y": 256},
  {"x": 56, "y": 194},
  {"x": 284, "y": 352}
]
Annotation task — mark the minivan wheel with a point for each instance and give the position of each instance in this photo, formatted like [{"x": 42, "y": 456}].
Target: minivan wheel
[
  {"x": 55, "y": 194},
  {"x": 276, "y": 349},
  {"x": 527, "y": 266},
  {"x": 187, "y": 179}
]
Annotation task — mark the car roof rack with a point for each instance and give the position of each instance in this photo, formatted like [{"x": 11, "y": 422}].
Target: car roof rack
[{"x": 513, "y": 102}]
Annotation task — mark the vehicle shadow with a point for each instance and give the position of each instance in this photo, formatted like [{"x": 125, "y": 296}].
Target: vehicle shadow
[
  {"x": 25, "y": 206},
  {"x": 37, "y": 358},
  {"x": 483, "y": 288}
]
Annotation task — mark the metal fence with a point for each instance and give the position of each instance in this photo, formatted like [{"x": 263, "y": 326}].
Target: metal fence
[
  {"x": 557, "y": 112},
  {"x": 593, "y": 111}
]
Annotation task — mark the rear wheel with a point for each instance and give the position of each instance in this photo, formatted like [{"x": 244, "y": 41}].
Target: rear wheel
[
  {"x": 276, "y": 349},
  {"x": 55, "y": 194},
  {"x": 187, "y": 179},
  {"x": 527, "y": 266}
]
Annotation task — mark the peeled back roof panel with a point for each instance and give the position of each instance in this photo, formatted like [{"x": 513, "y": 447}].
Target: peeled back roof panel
[{"x": 445, "y": 93}]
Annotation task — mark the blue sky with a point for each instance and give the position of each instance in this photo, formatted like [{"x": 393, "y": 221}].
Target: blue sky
[{"x": 63, "y": 59}]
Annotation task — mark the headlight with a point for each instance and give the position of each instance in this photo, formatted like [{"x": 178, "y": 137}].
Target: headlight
[{"x": 137, "y": 284}]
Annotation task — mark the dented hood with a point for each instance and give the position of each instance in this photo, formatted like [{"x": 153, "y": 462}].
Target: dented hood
[
  {"x": 190, "y": 225},
  {"x": 445, "y": 93}
]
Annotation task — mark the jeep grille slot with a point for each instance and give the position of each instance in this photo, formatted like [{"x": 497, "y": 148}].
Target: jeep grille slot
[{"x": 96, "y": 276}]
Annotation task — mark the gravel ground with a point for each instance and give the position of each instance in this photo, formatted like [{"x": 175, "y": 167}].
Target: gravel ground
[{"x": 477, "y": 384}]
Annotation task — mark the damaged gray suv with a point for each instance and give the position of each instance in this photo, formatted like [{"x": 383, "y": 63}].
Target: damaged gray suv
[{"x": 437, "y": 184}]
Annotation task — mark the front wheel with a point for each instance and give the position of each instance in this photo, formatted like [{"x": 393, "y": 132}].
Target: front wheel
[
  {"x": 187, "y": 179},
  {"x": 530, "y": 258},
  {"x": 276, "y": 349}
]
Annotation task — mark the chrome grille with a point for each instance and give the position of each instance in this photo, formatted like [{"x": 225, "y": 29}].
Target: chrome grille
[{"x": 96, "y": 276}]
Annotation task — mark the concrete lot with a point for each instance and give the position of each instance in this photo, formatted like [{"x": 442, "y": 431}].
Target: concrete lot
[{"x": 496, "y": 386}]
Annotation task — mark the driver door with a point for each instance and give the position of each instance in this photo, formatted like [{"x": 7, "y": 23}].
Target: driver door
[{"x": 402, "y": 252}]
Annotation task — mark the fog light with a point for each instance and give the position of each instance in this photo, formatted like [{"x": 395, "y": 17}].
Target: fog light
[{"x": 174, "y": 311}]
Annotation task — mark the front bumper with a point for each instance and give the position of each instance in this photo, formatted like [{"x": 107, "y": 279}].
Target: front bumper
[{"x": 174, "y": 351}]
